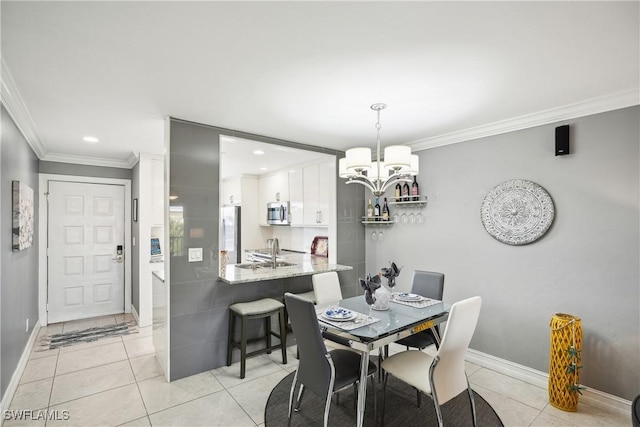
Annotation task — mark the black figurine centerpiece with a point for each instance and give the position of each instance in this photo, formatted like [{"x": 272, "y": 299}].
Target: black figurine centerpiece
[
  {"x": 391, "y": 273},
  {"x": 370, "y": 284},
  {"x": 376, "y": 295}
]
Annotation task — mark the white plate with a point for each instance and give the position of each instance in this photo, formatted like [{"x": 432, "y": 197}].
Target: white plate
[
  {"x": 408, "y": 297},
  {"x": 339, "y": 314}
]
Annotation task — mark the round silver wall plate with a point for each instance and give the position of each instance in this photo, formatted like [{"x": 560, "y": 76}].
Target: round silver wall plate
[{"x": 517, "y": 212}]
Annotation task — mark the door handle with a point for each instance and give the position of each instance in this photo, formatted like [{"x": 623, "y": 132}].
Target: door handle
[{"x": 119, "y": 254}]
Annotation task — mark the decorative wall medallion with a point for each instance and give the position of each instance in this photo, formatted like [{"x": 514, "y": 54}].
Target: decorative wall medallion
[{"x": 517, "y": 212}]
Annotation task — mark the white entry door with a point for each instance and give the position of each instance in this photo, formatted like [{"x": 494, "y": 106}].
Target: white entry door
[{"x": 85, "y": 250}]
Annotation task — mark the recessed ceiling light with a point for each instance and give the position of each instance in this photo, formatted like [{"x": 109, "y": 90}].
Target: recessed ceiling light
[
  {"x": 90, "y": 139},
  {"x": 263, "y": 168},
  {"x": 173, "y": 197},
  {"x": 258, "y": 152}
]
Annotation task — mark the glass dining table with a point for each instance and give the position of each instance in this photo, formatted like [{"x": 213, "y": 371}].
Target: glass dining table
[{"x": 399, "y": 321}]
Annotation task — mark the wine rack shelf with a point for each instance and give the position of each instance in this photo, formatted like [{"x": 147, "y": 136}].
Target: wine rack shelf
[
  {"x": 411, "y": 203},
  {"x": 371, "y": 221}
]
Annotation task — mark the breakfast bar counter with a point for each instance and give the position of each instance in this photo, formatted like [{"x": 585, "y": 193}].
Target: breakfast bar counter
[{"x": 303, "y": 265}]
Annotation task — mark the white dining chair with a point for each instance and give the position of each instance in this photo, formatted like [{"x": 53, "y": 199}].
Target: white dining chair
[
  {"x": 326, "y": 287},
  {"x": 326, "y": 290},
  {"x": 443, "y": 376}
]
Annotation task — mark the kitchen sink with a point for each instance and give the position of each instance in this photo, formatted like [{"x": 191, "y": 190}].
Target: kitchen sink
[{"x": 265, "y": 264}]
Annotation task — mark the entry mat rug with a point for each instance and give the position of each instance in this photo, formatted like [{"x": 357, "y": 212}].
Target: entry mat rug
[
  {"x": 51, "y": 342},
  {"x": 401, "y": 408}
]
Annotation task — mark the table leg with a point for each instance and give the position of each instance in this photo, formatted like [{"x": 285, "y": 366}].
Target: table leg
[
  {"x": 436, "y": 335},
  {"x": 362, "y": 392}
]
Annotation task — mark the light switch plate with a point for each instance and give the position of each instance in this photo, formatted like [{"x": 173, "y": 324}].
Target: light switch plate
[{"x": 195, "y": 254}]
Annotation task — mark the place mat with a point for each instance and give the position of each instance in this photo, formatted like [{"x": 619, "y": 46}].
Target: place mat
[
  {"x": 359, "y": 321},
  {"x": 424, "y": 302}
]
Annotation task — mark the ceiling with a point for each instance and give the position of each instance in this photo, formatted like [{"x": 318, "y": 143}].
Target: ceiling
[
  {"x": 308, "y": 71},
  {"x": 245, "y": 157}
]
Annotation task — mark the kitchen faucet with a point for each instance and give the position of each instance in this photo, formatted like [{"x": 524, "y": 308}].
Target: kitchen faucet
[{"x": 275, "y": 249}]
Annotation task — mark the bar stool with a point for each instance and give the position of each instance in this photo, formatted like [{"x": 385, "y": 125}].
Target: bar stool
[{"x": 259, "y": 309}]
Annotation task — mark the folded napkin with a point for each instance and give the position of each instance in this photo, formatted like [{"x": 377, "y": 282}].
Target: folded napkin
[
  {"x": 358, "y": 321},
  {"x": 423, "y": 303}
]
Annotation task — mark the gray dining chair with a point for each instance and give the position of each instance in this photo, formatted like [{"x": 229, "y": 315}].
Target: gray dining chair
[
  {"x": 443, "y": 376},
  {"x": 323, "y": 372},
  {"x": 428, "y": 284}
]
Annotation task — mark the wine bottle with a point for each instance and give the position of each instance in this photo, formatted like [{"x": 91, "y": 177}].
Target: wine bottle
[
  {"x": 398, "y": 192},
  {"x": 406, "y": 192},
  {"x": 376, "y": 210},
  {"x": 369, "y": 210},
  {"x": 415, "y": 194},
  {"x": 385, "y": 210}
]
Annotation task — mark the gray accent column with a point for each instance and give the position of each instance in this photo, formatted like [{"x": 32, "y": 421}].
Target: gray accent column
[{"x": 198, "y": 301}]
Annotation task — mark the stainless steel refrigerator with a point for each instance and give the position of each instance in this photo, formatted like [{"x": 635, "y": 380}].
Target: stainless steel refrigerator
[{"x": 230, "y": 233}]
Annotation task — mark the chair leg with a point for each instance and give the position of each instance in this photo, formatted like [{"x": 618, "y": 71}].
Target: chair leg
[
  {"x": 283, "y": 336},
  {"x": 267, "y": 329},
  {"x": 355, "y": 395},
  {"x": 439, "y": 414},
  {"x": 327, "y": 405},
  {"x": 300, "y": 393},
  {"x": 375, "y": 401},
  {"x": 418, "y": 397},
  {"x": 232, "y": 319},
  {"x": 293, "y": 388},
  {"x": 243, "y": 346},
  {"x": 473, "y": 404},
  {"x": 384, "y": 394}
]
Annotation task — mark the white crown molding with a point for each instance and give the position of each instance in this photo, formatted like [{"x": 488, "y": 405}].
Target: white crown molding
[
  {"x": 537, "y": 378},
  {"x": 91, "y": 161},
  {"x": 133, "y": 159},
  {"x": 580, "y": 109},
  {"x": 12, "y": 101}
]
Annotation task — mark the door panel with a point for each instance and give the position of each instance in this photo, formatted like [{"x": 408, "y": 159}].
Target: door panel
[{"x": 85, "y": 276}]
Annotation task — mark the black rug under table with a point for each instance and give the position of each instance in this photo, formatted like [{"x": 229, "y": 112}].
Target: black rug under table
[{"x": 401, "y": 408}]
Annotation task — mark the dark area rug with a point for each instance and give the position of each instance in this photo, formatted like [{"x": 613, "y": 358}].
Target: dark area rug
[
  {"x": 401, "y": 408},
  {"x": 50, "y": 342}
]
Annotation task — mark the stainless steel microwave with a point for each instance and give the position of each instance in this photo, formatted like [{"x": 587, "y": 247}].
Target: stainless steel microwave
[{"x": 278, "y": 213}]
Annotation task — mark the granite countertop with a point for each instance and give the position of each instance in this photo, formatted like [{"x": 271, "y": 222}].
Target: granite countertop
[{"x": 305, "y": 265}]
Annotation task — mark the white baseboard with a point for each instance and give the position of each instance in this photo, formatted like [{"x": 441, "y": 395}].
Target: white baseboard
[
  {"x": 590, "y": 396},
  {"x": 7, "y": 397}
]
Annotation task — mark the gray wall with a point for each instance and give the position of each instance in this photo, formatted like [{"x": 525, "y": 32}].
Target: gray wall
[
  {"x": 58, "y": 168},
  {"x": 587, "y": 264},
  {"x": 198, "y": 302},
  {"x": 19, "y": 272}
]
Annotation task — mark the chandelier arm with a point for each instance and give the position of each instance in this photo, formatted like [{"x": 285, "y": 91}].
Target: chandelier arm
[{"x": 356, "y": 180}]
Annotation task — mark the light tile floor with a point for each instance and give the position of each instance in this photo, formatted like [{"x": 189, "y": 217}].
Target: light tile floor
[{"x": 117, "y": 382}]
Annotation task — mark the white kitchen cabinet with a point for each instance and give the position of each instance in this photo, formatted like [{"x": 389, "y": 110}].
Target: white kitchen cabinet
[
  {"x": 296, "y": 196},
  {"x": 231, "y": 191},
  {"x": 272, "y": 188},
  {"x": 318, "y": 181}
]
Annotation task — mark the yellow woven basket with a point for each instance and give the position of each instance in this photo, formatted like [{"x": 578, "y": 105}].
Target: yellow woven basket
[{"x": 566, "y": 334}]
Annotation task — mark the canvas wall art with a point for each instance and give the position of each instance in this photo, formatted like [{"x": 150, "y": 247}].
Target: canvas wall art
[{"x": 22, "y": 216}]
